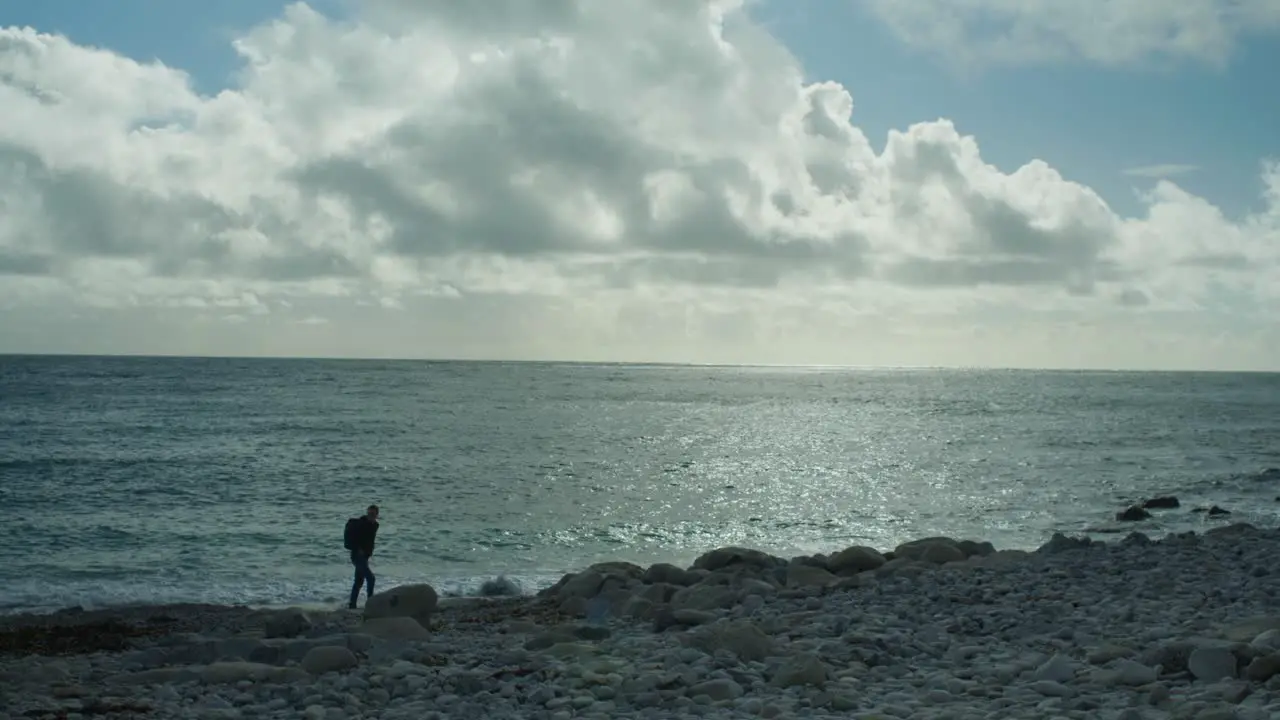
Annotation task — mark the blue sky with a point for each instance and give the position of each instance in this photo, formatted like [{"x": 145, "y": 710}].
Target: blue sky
[
  {"x": 973, "y": 270},
  {"x": 1089, "y": 122}
]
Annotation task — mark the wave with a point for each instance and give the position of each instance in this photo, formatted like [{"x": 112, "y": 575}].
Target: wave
[
  {"x": 40, "y": 596},
  {"x": 1260, "y": 482}
]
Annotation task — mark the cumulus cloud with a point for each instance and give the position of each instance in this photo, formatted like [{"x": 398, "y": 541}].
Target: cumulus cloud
[
  {"x": 1107, "y": 32},
  {"x": 599, "y": 165}
]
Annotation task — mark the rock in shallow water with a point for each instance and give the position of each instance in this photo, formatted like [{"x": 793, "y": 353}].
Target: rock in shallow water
[{"x": 1133, "y": 513}]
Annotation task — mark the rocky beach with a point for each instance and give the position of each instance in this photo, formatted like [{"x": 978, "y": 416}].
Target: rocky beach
[{"x": 1187, "y": 626}]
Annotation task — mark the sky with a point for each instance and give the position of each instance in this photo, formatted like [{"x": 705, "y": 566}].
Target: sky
[{"x": 999, "y": 183}]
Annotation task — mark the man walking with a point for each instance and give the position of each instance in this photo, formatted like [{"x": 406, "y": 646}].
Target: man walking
[{"x": 359, "y": 538}]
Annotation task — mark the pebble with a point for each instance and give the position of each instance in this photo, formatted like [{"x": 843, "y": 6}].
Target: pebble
[{"x": 1174, "y": 628}]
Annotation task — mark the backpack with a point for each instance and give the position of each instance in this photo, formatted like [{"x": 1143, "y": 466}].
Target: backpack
[{"x": 349, "y": 534}]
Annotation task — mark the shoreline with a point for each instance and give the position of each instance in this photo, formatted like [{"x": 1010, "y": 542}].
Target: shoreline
[
  {"x": 1184, "y": 626},
  {"x": 518, "y": 584},
  {"x": 977, "y": 551}
]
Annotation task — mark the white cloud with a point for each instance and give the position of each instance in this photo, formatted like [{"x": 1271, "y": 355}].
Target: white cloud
[
  {"x": 1160, "y": 171},
  {"x": 1107, "y": 32},
  {"x": 568, "y": 178}
]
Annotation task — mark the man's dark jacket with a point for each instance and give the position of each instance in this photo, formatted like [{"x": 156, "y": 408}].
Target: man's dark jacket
[{"x": 364, "y": 532}]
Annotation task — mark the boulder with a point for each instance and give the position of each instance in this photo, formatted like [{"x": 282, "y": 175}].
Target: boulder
[
  {"x": 687, "y": 616},
  {"x": 395, "y": 628},
  {"x": 818, "y": 561},
  {"x": 704, "y": 597},
  {"x": 272, "y": 653},
  {"x": 803, "y": 669},
  {"x": 1060, "y": 543},
  {"x": 584, "y": 585},
  {"x": 1263, "y": 668},
  {"x": 933, "y": 550},
  {"x": 719, "y": 690},
  {"x": 328, "y": 658},
  {"x": 668, "y": 574},
  {"x": 600, "y": 579},
  {"x": 754, "y": 586},
  {"x": 941, "y": 554},
  {"x": 286, "y": 624},
  {"x": 1136, "y": 538},
  {"x": 856, "y": 582},
  {"x": 611, "y": 602},
  {"x": 901, "y": 566},
  {"x": 360, "y": 643},
  {"x": 1212, "y": 664},
  {"x": 725, "y": 557},
  {"x": 976, "y": 548},
  {"x": 1133, "y": 513},
  {"x": 806, "y": 575},
  {"x": 1171, "y": 656},
  {"x": 1164, "y": 502},
  {"x": 664, "y": 618},
  {"x": 658, "y": 592},
  {"x": 619, "y": 569},
  {"x": 1126, "y": 672},
  {"x": 856, "y": 559},
  {"x": 295, "y": 650},
  {"x": 639, "y": 608},
  {"x": 1232, "y": 530},
  {"x": 575, "y": 607},
  {"x": 231, "y": 673},
  {"x": 415, "y": 601},
  {"x": 554, "y": 590},
  {"x": 1249, "y": 629},
  {"x": 740, "y": 637},
  {"x": 1267, "y": 641},
  {"x": 1005, "y": 558}
]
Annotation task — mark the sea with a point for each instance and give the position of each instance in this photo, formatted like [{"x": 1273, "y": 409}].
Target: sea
[{"x": 135, "y": 480}]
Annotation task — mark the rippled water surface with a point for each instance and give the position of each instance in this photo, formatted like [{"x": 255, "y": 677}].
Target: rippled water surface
[{"x": 229, "y": 480}]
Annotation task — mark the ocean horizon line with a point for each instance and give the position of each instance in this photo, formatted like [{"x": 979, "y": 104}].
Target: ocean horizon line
[{"x": 656, "y": 364}]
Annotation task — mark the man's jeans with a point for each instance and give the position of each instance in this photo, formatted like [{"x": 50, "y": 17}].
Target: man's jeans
[{"x": 364, "y": 576}]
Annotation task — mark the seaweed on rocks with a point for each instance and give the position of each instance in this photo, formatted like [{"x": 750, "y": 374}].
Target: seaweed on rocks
[
  {"x": 74, "y": 631},
  {"x": 56, "y": 639}
]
